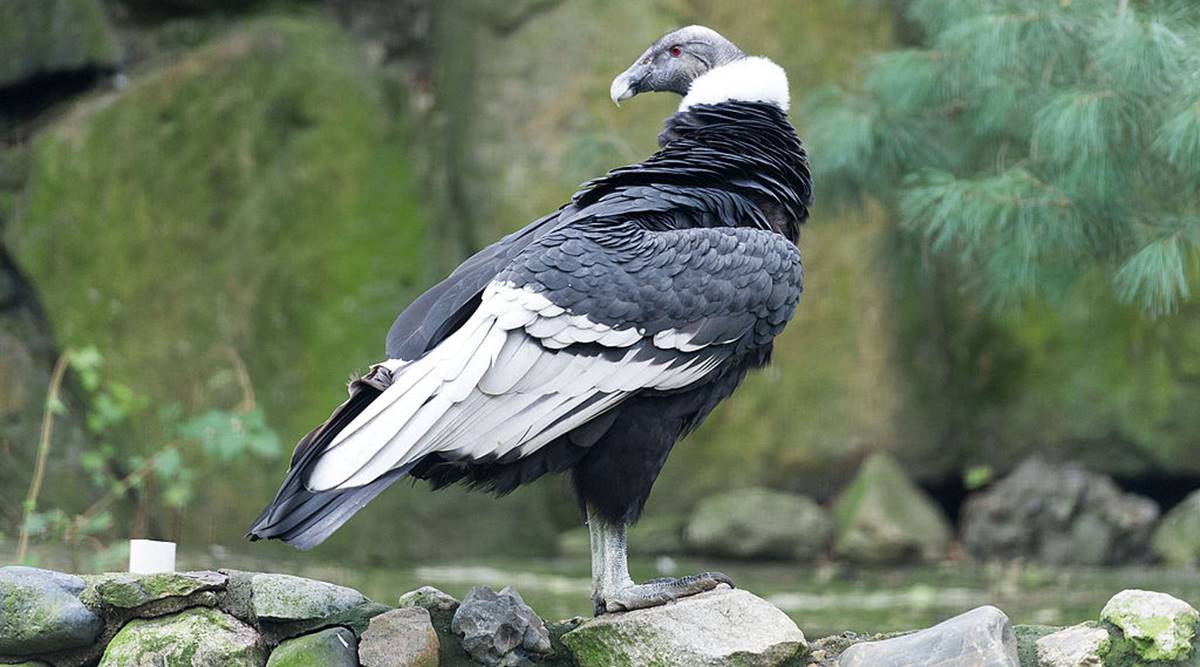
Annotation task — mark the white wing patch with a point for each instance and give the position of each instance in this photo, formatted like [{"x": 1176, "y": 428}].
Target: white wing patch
[{"x": 503, "y": 386}]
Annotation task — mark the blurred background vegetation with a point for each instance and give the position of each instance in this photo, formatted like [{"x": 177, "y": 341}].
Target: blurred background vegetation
[{"x": 211, "y": 210}]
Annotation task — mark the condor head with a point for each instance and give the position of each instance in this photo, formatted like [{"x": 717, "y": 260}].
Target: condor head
[{"x": 674, "y": 61}]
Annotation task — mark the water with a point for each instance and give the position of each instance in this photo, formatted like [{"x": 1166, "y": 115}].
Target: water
[{"x": 822, "y": 599}]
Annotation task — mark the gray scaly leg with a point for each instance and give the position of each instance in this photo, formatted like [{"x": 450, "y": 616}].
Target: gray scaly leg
[{"x": 614, "y": 590}]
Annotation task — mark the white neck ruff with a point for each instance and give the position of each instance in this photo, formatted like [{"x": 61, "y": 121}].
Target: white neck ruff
[{"x": 752, "y": 79}]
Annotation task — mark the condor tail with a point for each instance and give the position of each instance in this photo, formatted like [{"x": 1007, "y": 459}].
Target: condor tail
[{"x": 305, "y": 518}]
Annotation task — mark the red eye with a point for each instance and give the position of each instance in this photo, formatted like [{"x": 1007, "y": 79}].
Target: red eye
[{"x": 676, "y": 51}]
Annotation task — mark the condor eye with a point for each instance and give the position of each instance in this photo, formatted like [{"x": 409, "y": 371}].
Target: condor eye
[{"x": 675, "y": 51}]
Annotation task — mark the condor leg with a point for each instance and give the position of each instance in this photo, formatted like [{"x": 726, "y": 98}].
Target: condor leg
[{"x": 614, "y": 590}]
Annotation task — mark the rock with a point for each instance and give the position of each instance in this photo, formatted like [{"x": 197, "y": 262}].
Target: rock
[
  {"x": 1155, "y": 626},
  {"x": 441, "y": 608},
  {"x": 882, "y": 517},
  {"x": 760, "y": 523},
  {"x": 1027, "y": 638},
  {"x": 68, "y": 582},
  {"x": 1177, "y": 539},
  {"x": 50, "y": 36},
  {"x": 200, "y": 637},
  {"x": 283, "y": 597},
  {"x": 982, "y": 637},
  {"x": 1082, "y": 645},
  {"x": 714, "y": 629},
  {"x": 39, "y": 612},
  {"x": 1059, "y": 514},
  {"x": 499, "y": 628},
  {"x": 400, "y": 638},
  {"x": 331, "y": 647},
  {"x": 124, "y": 590},
  {"x": 429, "y": 599}
]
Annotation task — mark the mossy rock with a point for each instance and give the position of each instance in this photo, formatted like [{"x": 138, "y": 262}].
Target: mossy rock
[
  {"x": 46, "y": 36},
  {"x": 1176, "y": 540},
  {"x": 40, "y": 613},
  {"x": 283, "y": 597},
  {"x": 1154, "y": 627},
  {"x": 194, "y": 638},
  {"x": 882, "y": 517},
  {"x": 128, "y": 591},
  {"x": 332, "y": 647},
  {"x": 760, "y": 523},
  {"x": 1027, "y": 637}
]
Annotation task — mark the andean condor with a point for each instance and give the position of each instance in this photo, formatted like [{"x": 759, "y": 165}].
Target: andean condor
[{"x": 593, "y": 339}]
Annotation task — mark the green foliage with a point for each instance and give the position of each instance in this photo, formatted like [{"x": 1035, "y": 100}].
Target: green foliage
[
  {"x": 1034, "y": 142},
  {"x": 164, "y": 480},
  {"x": 227, "y": 436},
  {"x": 977, "y": 477}
]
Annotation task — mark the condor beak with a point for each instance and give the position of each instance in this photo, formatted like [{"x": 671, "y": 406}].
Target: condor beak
[{"x": 627, "y": 84}]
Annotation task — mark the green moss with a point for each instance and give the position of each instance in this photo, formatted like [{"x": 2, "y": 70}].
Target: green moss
[
  {"x": 127, "y": 591},
  {"x": 883, "y": 517},
  {"x": 1027, "y": 636},
  {"x": 195, "y": 636},
  {"x": 1154, "y": 627},
  {"x": 254, "y": 197},
  {"x": 334, "y": 647},
  {"x": 42, "y": 36}
]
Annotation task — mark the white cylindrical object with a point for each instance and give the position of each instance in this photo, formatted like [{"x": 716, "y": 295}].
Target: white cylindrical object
[{"x": 150, "y": 556}]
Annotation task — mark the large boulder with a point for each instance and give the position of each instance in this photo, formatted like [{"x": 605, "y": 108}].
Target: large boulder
[
  {"x": 400, "y": 638},
  {"x": 883, "y": 517},
  {"x": 39, "y": 37},
  {"x": 1155, "y": 627},
  {"x": 331, "y": 647},
  {"x": 499, "y": 629},
  {"x": 760, "y": 523},
  {"x": 200, "y": 637},
  {"x": 40, "y": 612},
  {"x": 982, "y": 637},
  {"x": 1058, "y": 514},
  {"x": 1176, "y": 540},
  {"x": 722, "y": 628}
]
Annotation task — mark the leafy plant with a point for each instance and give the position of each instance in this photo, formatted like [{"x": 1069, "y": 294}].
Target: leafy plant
[
  {"x": 1034, "y": 142},
  {"x": 164, "y": 479}
]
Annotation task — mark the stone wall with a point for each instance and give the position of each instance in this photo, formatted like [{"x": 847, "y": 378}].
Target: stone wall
[{"x": 232, "y": 618}]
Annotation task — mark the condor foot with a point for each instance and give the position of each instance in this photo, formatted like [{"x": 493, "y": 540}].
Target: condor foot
[{"x": 656, "y": 592}]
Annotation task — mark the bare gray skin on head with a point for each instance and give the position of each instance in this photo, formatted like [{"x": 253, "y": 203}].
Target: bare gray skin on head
[{"x": 674, "y": 61}]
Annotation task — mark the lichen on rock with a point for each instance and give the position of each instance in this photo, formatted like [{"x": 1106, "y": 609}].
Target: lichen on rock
[
  {"x": 283, "y": 597},
  {"x": 199, "y": 637},
  {"x": 40, "y": 612},
  {"x": 1154, "y": 626},
  {"x": 125, "y": 590}
]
